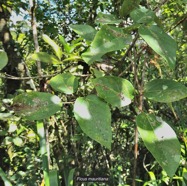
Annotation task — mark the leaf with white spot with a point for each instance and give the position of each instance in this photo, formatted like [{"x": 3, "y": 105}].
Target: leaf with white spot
[
  {"x": 94, "y": 118},
  {"x": 114, "y": 90},
  {"x": 165, "y": 90},
  {"x": 36, "y": 105},
  {"x": 161, "y": 140}
]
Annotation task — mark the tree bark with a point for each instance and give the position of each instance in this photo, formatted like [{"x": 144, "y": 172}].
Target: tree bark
[{"x": 9, "y": 47}]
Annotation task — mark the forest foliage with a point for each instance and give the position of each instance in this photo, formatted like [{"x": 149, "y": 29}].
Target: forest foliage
[{"x": 93, "y": 90}]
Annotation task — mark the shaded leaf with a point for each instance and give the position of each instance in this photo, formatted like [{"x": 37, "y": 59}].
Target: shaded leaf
[
  {"x": 3, "y": 59},
  {"x": 85, "y": 31},
  {"x": 107, "y": 39},
  {"x": 54, "y": 46},
  {"x": 114, "y": 90},
  {"x": 36, "y": 105},
  {"x": 66, "y": 83},
  {"x": 160, "y": 140},
  {"x": 94, "y": 118},
  {"x": 127, "y": 7},
  {"x": 45, "y": 57},
  {"x": 164, "y": 90},
  {"x": 106, "y": 19},
  {"x": 160, "y": 42}
]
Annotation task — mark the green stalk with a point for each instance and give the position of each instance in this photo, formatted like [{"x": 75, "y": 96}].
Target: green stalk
[
  {"x": 43, "y": 149},
  {"x": 4, "y": 178}
]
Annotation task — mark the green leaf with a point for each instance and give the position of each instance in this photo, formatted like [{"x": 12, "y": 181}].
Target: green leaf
[
  {"x": 114, "y": 90},
  {"x": 107, "y": 39},
  {"x": 54, "y": 177},
  {"x": 53, "y": 44},
  {"x": 160, "y": 42},
  {"x": 45, "y": 57},
  {"x": 143, "y": 15},
  {"x": 160, "y": 140},
  {"x": 67, "y": 48},
  {"x": 107, "y": 19},
  {"x": 85, "y": 31},
  {"x": 94, "y": 118},
  {"x": 3, "y": 59},
  {"x": 18, "y": 141},
  {"x": 127, "y": 7},
  {"x": 164, "y": 90},
  {"x": 36, "y": 105},
  {"x": 66, "y": 83}
]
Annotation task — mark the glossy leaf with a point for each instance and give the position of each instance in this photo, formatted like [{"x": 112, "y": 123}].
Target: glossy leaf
[
  {"x": 107, "y": 19},
  {"x": 165, "y": 90},
  {"x": 45, "y": 57},
  {"x": 85, "y": 31},
  {"x": 143, "y": 15},
  {"x": 160, "y": 42},
  {"x": 94, "y": 118},
  {"x": 107, "y": 39},
  {"x": 36, "y": 105},
  {"x": 114, "y": 90},
  {"x": 161, "y": 140},
  {"x": 3, "y": 59},
  {"x": 66, "y": 83},
  {"x": 54, "y": 46}
]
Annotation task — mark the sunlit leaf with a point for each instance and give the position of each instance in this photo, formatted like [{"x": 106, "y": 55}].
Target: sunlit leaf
[
  {"x": 107, "y": 19},
  {"x": 143, "y": 15},
  {"x": 36, "y": 105},
  {"x": 66, "y": 83},
  {"x": 55, "y": 47},
  {"x": 108, "y": 39},
  {"x": 94, "y": 118},
  {"x": 67, "y": 48},
  {"x": 160, "y": 42},
  {"x": 3, "y": 59},
  {"x": 161, "y": 140},
  {"x": 18, "y": 141},
  {"x": 45, "y": 57},
  {"x": 165, "y": 90},
  {"x": 85, "y": 31},
  {"x": 114, "y": 90}
]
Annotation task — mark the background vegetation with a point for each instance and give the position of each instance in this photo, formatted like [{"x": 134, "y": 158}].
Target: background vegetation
[{"x": 93, "y": 88}]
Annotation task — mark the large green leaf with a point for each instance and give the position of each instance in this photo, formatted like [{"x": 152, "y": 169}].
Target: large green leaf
[
  {"x": 160, "y": 42},
  {"x": 53, "y": 44},
  {"x": 107, "y": 19},
  {"x": 114, "y": 90},
  {"x": 3, "y": 59},
  {"x": 36, "y": 105},
  {"x": 94, "y": 118},
  {"x": 45, "y": 57},
  {"x": 108, "y": 39},
  {"x": 160, "y": 140},
  {"x": 143, "y": 15},
  {"x": 66, "y": 83},
  {"x": 165, "y": 90},
  {"x": 85, "y": 31}
]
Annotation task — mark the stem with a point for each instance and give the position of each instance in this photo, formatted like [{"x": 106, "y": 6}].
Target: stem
[
  {"x": 35, "y": 34},
  {"x": 43, "y": 149}
]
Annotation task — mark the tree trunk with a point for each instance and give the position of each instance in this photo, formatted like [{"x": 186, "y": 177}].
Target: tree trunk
[{"x": 8, "y": 45}]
